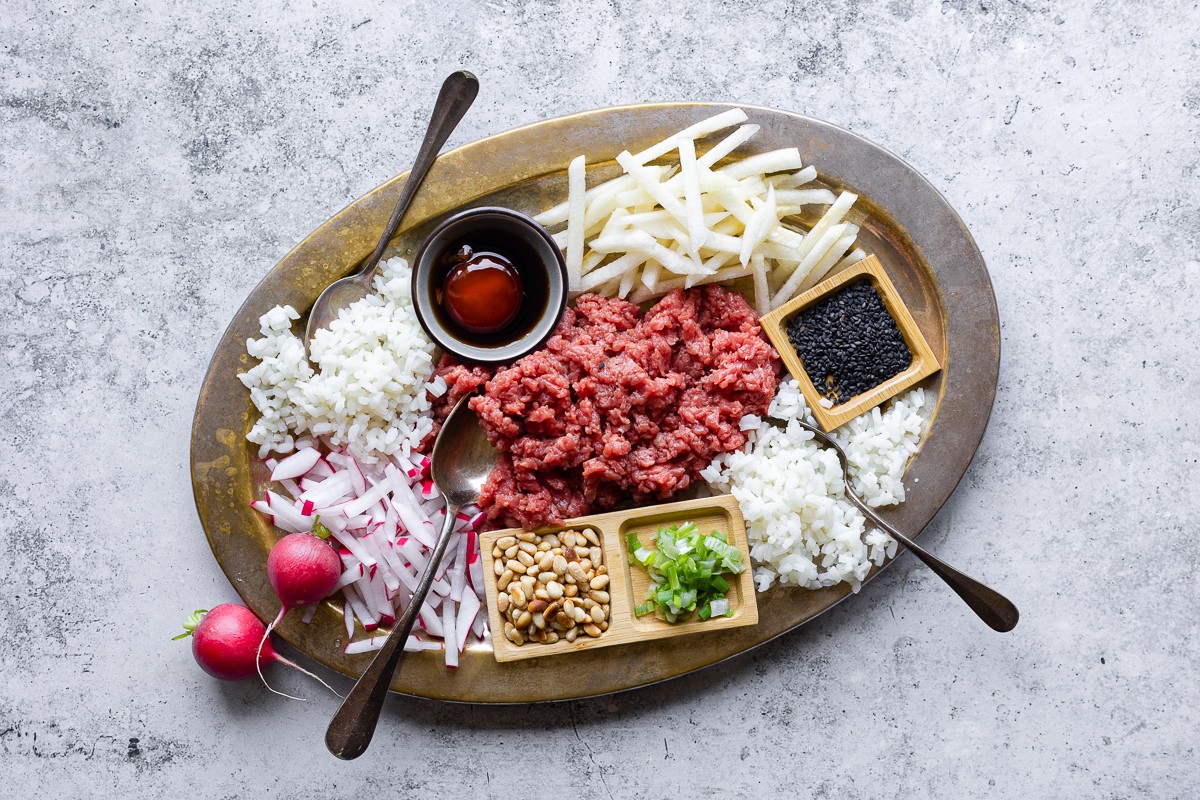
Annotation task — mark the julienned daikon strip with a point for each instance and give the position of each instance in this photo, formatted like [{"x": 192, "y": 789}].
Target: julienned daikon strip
[
  {"x": 693, "y": 205},
  {"x": 726, "y": 119},
  {"x": 576, "y": 188},
  {"x": 827, "y": 240},
  {"x": 727, "y": 145}
]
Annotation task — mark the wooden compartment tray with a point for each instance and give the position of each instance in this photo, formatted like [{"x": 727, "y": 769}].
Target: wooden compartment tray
[
  {"x": 628, "y": 581},
  {"x": 924, "y": 362}
]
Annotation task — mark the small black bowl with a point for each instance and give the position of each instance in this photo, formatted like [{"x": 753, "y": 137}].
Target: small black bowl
[{"x": 539, "y": 262}]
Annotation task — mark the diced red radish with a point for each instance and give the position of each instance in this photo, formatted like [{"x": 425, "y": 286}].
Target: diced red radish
[
  {"x": 466, "y": 618},
  {"x": 449, "y": 636},
  {"x": 411, "y": 645},
  {"x": 348, "y": 541},
  {"x": 479, "y": 626},
  {"x": 296, "y": 464},
  {"x": 358, "y": 481},
  {"x": 307, "y": 509}
]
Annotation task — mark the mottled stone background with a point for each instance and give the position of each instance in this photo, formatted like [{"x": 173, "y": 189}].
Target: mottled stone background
[{"x": 157, "y": 158}]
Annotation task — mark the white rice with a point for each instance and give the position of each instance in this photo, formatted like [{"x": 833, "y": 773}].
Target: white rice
[
  {"x": 368, "y": 393},
  {"x": 801, "y": 528}
]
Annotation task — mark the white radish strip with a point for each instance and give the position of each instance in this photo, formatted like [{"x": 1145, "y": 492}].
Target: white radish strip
[
  {"x": 466, "y": 618},
  {"x": 591, "y": 261},
  {"x": 612, "y": 270},
  {"x": 359, "y": 522},
  {"x": 262, "y": 506},
  {"x": 458, "y": 573},
  {"x": 726, "y": 119},
  {"x": 827, "y": 240},
  {"x": 677, "y": 283},
  {"x": 576, "y": 189},
  {"x": 555, "y": 215},
  {"x": 310, "y": 611},
  {"x": 830, "y": 258},
  {"x": 479, "y": 626},
  {"x": 328, "y": 491},
  {"x": 762, "y": 293},
  {"x": 626, "y": 284},
  {"x": 648, "y": 184},
  {"x": 320, "y": 471},
  {"x": 830, "y": 218},
  {"x": 415, "y": 522},
  {"x": 448, "y": 620},
  {"x": 804, "y": 197},
  {"x": 430, "y": 620},
  {"x": 412, "y": 553},
  {"x": 650, "y": 275},
  {"x": 288, "y": 516},
  {"x": 292, "y": 487},
  {"x": 793, "y": 179},
  {"x": 759, "y": 227},
  {"x": 347, "y": 615},
  {"x": 775, "y": 161},
  {"x": 624, "y": 242},
  {"x": 338, "y": 460},
  {"x": 440, "y": 587},
  {"x": 358, "y": 607},
  {"x": 375, "y": 594},
  {"x": 411, "y": 645},
  {"x": 856, "y": 255},
  {"x": 334, "y": 522},
  {"x": 688, "y": 172},
  {"x": 296, "y": 464},
  {"x": 351, "y": 543},
  {"x": 351, "y": 575},
  {"x": 357, "y": 480},
  {"x": 367, "y": 499},
  {"x": 727, "y": 145}
]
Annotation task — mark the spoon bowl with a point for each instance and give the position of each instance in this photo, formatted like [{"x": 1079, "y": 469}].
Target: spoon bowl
[
  {"x": 457, "y": 93},
  {"x": 996, "y": 610}
]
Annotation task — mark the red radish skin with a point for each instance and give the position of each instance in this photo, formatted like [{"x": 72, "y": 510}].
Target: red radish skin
[
  {"x": 228, "y": 643},
  {"x": 302, "y": 569}
]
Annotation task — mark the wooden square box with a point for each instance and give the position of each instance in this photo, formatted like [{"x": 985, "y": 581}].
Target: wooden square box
[{"x": 924, "y": 363}]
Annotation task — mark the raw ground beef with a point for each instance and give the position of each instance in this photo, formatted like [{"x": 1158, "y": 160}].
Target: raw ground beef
[{"x": 618, "y": 409}]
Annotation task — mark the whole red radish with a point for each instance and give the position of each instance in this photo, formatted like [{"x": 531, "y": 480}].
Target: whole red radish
[
  {"x": 228, "y": 643},
  {"x": 225, "y": 641},
  {"x": 302, "y": 569}
]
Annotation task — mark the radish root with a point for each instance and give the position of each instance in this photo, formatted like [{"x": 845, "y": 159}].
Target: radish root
[{"x": 282, "y": 660}]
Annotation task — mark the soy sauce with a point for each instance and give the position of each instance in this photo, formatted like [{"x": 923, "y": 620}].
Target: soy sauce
[{"x": 489, "y": 288}]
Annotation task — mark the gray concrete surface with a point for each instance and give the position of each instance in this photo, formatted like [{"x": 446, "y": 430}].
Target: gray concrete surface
[{"x": 157, "y": 158}]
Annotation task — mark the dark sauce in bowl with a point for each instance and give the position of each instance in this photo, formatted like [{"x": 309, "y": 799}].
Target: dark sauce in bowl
[{"x": 490, "y": 288}]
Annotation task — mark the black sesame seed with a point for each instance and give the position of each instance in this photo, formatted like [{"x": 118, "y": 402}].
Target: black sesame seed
[{"x": 848, "y": 342}]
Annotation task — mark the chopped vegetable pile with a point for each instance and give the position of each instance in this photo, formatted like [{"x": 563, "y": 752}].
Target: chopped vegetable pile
[{"x": 685, "y": 571}]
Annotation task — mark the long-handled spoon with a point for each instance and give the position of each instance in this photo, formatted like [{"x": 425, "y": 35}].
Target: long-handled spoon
[
  {"x": 992, "y": 607},
  {"x": 457, "y": 94},
  {"x": 462, "y": 460}
]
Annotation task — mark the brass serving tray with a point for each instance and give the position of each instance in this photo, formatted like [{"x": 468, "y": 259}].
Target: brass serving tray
[{"x": 922, "y": 243}]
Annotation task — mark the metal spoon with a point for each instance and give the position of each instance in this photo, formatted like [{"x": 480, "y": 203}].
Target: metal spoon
[
  {"x": 462, "y": 460},
  {"x": 457, "y": 94},
  {"x": 991, "y": 606}
]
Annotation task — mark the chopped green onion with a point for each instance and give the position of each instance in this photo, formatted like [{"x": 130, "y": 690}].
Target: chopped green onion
[{"x": 685, "y": 572}]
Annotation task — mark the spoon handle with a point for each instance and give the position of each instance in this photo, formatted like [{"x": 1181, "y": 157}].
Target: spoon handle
[
  {"x": 992, "y": 607},
  {"x": 457, "y": 93},
  {"x": 350, "y": 731}
]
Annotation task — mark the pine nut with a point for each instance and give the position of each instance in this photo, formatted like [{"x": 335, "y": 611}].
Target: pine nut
[
  {"x": 505, "y": 578},
  {"x": 505, "y": 542},
  {"x": 554, "y": 589},
  {"x": 600, "y": 581}
]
